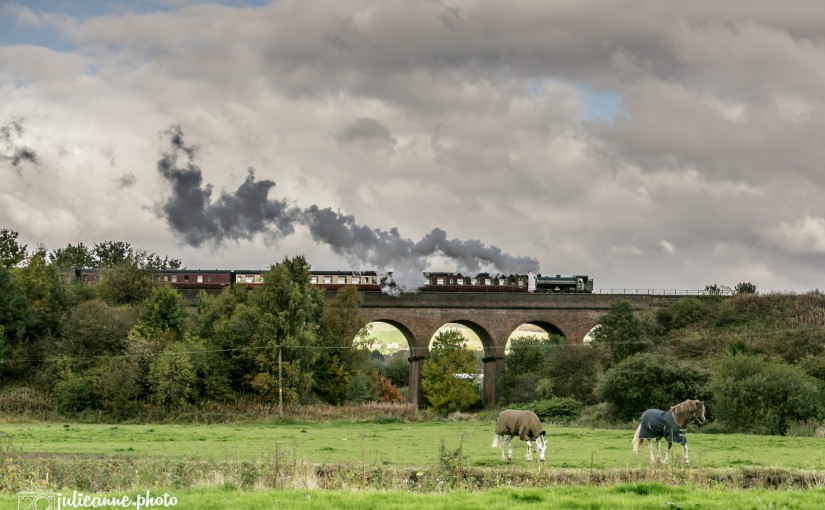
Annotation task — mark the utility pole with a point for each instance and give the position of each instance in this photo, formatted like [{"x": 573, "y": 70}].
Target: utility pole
[{"x": 280, "y": 386}]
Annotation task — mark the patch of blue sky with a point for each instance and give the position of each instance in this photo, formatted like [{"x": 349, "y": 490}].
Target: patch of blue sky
[
  {"x": 22, "y": 21},
  {"x": 600, "y": 106}
]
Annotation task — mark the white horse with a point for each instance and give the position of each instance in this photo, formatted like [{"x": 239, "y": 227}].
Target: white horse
[
  {"x": 526, "y": 425},
  {"x": 670, "y": 425}
]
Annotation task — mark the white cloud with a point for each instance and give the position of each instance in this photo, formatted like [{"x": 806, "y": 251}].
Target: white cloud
[
  {"x": 470, "y": 118},
  {"x": 668, "y": 247},
  {"x": 803, "y": 235}
]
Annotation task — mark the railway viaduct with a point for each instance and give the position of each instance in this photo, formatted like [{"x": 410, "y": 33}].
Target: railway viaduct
[{"x": 491, "y": 316}]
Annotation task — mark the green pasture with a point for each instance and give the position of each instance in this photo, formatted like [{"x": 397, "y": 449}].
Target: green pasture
[
  {"x": 645, "y": 495},
  {"x": 397, "y": 464},
  {"x": 396, "y": 443}
]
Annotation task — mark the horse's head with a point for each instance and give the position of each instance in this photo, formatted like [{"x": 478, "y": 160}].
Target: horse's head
[
  {"x": 699, "y": 416},
  {"x": 541, "y": 446},
  {"x": 708, "y": 417},
  {"x": 689, "y": 411}
]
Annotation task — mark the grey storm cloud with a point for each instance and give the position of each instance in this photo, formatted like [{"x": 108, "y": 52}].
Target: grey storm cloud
[
  {"x": 249, "y": 211},
  {"x": 13, "y": 153},
  {"x": 365, "y": 129}
]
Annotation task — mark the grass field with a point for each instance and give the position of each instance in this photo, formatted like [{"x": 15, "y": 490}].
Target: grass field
[
  {"x": 398, "y": 443},
  {"x": 397, "y": 464}
]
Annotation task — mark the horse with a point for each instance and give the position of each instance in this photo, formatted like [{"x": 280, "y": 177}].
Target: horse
[
  {"x": 525, "y": 425},
  {"x": 670, "y": 425}
]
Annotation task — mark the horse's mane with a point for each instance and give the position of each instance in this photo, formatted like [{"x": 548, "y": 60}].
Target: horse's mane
[{"x": 682, "y": 413}]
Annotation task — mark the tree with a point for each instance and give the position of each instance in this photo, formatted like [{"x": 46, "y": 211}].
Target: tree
[
  {"x": 397, "y": 369},
  {"x": 619, "y": 333},
  {"x": 524, "y": 366},
  {"x": 14, "y": 305},
  {"x": 647, "y": 380},
  {"x": 12, "y": 252},
  {"x": 48, "y": 298},
  {"x": 96, "y": 329},
  {"x": 172, "y": 376},
  {"x": 286, "y": 311},
  {"x": 125, "y": 283},
  {"x": 755, "y": 395},
  {"x": 164, "y": 310},
  {"x": 113, "y": 253},
  {"x": 713, "y": 289},
  {"x": 73, "y": 257},
  {"x": 340, "y": 356},
  {"x": 744, "y": 288},
  {"x": 444, "y": 391}
]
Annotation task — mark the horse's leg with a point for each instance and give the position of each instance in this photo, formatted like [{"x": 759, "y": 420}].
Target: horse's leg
[
  {"x": 509, "y": 448},
  {"x": 650, "y": 449},
  {"x": 667, "y": 452},
  {"x": 529, "y": 450},
  {"x": 500, "y": 443},
  {"x": 685, "y": 449},
  {"x": 659, "y": 450}
]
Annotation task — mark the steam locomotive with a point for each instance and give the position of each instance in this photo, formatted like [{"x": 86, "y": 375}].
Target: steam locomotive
[{"x": 368, "y": 281}]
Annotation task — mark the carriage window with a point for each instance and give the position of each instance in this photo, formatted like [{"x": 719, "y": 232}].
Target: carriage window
[
  {"x": 327, "y": 279},
  {"x": 174, "y": 278},
  {"x": 249, "y": 279},
  {"x": 474, "y": 281},
  {"x": 520, "y": 282},
  {"x": 439, "y": 280},
  {"x": 502, "y": 281},
  {"x": 488, "y": 281},
  {"x": 356, "y": 280},
  {"x": 459, "y": 281},
  {"x": 342, "y": 280},
  {"x": 313, "y": 279},
  {"x": 186, "y": 277},
  {"x": 200, "y": 278}
]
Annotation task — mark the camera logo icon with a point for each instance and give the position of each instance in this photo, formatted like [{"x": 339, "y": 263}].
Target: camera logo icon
[{"x": 36, "y": 501}]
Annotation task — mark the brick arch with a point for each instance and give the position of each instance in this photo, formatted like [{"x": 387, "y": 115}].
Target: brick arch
[{"x": 495, "y": 316}]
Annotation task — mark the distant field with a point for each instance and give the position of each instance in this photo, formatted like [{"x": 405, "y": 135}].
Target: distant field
[{"x": 388, "y": 340}]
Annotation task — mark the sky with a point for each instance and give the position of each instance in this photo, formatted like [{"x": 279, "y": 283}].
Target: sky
[{"x": 647, "y": 144}]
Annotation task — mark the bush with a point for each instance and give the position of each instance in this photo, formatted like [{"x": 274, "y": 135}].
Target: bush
[
  {"x": 650, "y": 381},
  {"x": 755, "y": 395},
  {"x": 555, "y": 409},
  {"x": 76, "y": 394},
  {"x": 684, "y": 312},
  {"x": 601, "y": 416}
]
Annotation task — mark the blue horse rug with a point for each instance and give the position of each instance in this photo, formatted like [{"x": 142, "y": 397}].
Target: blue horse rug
[{"x": 657, "y": 423}]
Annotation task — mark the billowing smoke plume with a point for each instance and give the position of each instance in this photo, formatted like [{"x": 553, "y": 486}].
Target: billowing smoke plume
[
  {"x": 241, "y": 215},
  {"x": 249, "y": 212},
  {"x": 10, "y": 150}
]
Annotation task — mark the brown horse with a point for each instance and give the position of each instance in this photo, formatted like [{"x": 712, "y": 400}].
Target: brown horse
[
  {"x": 525, "y": 425},
  {"x": 670, "y": 425}
]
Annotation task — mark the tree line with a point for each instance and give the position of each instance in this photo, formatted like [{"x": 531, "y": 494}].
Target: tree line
[{"x": 130, "y": 346}]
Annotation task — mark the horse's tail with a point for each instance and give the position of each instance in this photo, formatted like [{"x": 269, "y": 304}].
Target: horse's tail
[
  {"x": 496, "y": 441},
  {"x": 637, "y": 441}
]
